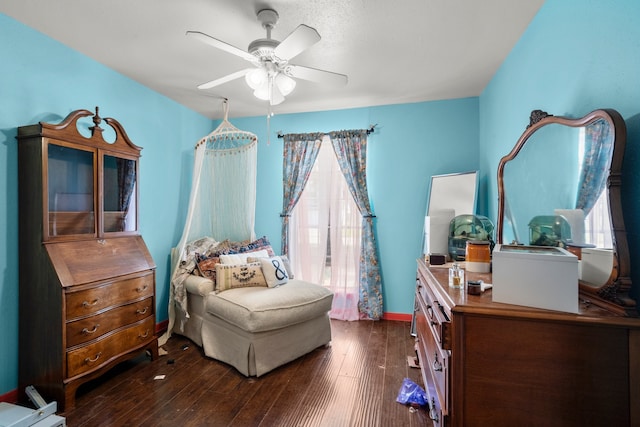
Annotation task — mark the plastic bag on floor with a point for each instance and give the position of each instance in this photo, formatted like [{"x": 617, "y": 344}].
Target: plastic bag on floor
[{"x": 411, "y": 394}]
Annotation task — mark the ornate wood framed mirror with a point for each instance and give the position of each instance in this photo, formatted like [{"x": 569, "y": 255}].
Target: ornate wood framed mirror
[{"x": 560, "y": 186}]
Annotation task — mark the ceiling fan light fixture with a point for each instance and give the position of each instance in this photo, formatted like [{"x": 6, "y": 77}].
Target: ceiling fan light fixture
[
  {"x": 262, "y": 92},
  {"x": 256, "y": 78},
  {"x": 285, "y": 84}
]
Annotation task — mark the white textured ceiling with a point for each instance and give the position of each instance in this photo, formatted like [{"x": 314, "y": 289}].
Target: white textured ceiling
[{"x": 394, "y": 51}]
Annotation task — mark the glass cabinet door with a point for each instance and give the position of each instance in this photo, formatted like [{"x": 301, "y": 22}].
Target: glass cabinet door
[
  {"x": 120, "y": 194},
  {"x": 71, "y": 201}
]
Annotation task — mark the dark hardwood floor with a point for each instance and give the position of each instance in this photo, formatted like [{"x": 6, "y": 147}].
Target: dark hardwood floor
[{"x": 353, "y": 382}]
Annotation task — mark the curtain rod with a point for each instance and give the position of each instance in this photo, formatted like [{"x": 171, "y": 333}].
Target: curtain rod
[{"x": 369, "y": 131}]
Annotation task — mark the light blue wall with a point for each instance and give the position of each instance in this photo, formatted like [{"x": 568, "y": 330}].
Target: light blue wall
[
  {"x": 576, "y": 56},
  {"x": 42, "y": 80}
]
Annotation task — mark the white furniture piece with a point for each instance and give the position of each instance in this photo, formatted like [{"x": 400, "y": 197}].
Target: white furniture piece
[
  {"x": 256, "y": 329},
  {"x": 19, "y": 416}
]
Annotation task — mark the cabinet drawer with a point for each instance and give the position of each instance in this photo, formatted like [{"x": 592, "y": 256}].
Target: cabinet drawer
[
  {"x": 437, "y": 319},
  {"x": 87, "y": 329},
  {"x": 94, "y": 355},
  {"x": 437, "y": 361},
  {"x": 437, "y": 412},
  {"x": 90, "y": 301}
]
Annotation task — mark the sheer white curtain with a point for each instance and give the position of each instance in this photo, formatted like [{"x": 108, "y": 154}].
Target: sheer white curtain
[
  {"x": 326, "y": 215},
  {"x": 309, "y": 221}
]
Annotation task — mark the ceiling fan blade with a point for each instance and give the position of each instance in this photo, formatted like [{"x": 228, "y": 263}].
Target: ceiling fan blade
[
  {"x": 300, "y": 39},
  {"x": 225, "y": 79},
  {"x": 315, "y": 75},
  {"x": 205, "y": 38}
]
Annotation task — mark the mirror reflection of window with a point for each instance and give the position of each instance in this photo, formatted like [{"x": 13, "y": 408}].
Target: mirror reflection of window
[{"x": 597, "y": 223}]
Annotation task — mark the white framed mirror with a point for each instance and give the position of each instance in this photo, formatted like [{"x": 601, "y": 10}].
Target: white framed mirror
[
  {"x": 455, "y": 191},
  {"x": 450, "y": 195}
]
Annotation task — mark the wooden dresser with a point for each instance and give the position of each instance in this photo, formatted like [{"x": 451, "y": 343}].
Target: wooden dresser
[
  {"x": 87, "y": 279},
  {"x": 493, "y": 364}
]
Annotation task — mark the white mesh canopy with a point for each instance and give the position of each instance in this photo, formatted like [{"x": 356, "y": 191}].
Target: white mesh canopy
[{"x": 222, "y": 201}]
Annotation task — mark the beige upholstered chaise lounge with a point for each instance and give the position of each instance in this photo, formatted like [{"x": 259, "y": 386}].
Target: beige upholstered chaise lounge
[{"x": 256, "y": 329}]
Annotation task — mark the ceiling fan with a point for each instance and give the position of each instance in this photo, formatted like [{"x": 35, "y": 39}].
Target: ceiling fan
[{"x": 272, "y": 78}]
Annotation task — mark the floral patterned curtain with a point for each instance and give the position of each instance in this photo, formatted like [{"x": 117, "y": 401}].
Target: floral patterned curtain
[
  {"x": 351, "y": 150},
  {"x": 598, "y": 146},
  {"x": 300, "y": 153}
]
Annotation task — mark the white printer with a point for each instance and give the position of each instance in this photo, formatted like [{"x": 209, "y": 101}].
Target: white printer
[{"x": 19, "y": 416}]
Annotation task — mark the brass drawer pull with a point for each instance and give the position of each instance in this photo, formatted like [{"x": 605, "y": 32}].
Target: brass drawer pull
[
  {"x": 143, "y": 311},
  {"x": 86, "y": 304},
  {"x": 437, "y": 366},
  {"x": 145, "y": 335},
  {"x": 86, "y": 331},
  {"x": 143, "y": 288},
  {"x": 95, "y": 359}
]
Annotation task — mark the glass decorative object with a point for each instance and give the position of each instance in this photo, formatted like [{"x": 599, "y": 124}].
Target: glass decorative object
[
  {"x": 549, "y": 230},
  {"x": 463, "y": 228}
]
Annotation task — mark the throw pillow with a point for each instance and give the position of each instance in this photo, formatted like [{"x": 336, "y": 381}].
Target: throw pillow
[
  {"x": 274, "y": 271},
  {"x": 285, "y": 261},
  {"x": 256, "y": 245},
  {"x": 287, "y": 265},
  {"x": 242, "y": 257},
  {"x": 230, "y": 276},
  {"x": 207, "y": 267}
]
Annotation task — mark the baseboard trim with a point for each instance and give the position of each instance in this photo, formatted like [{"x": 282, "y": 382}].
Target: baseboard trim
[
  {"x": 10, "y": 397},
  {"x": 403, "y": 317},
  {"x": 162, "y": 327}
]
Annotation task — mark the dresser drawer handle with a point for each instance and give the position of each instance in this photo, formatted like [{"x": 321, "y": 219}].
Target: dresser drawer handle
[
  {"x": 437, "y": 366},
  {"x": 433, "y": 412},
  {"x": 431, "y": 316},
  {"x": 89, "y": 332},
  {"x": 143, "y": 288},
  {"x": 430, "y": 312},
  {"x": 143, "y": 311},
  {"x": 86, "y": 304},
  {"x": 145, "y": 335},
  {"x": 94, "y": 360}
]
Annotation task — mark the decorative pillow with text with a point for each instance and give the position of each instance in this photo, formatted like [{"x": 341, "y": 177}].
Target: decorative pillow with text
[
  {"x": 285, "y": 261},
  {"x": 230, "y": 276},
  {"x": 274, "y": 271}
]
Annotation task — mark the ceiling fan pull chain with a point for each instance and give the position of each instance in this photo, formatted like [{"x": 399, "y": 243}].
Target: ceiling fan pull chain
[
  {"x": 225, "y": 108},
  {"x": 269, "y": 114}
]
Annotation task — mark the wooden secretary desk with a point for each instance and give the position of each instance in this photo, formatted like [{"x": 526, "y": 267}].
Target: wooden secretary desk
[{"x": 87, "y": 280}]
